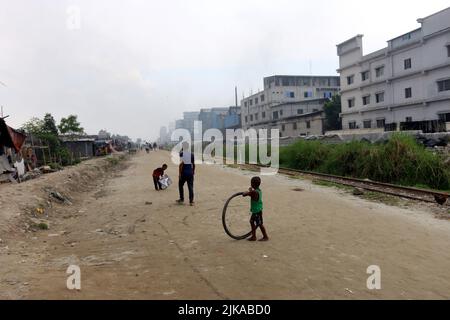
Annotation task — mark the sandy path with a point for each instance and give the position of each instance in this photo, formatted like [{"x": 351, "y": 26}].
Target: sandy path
[{"x": 322, "y": 243}]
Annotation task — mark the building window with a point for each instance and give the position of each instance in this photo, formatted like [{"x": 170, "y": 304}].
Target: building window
[
  {"x": 408, "y": 64},
  {"x": 365, "y": 75},
  {"x": 367, "y": 124},
  {"x": 406, "y": 36},
  {"x": 444, "y": 85},
  {"x": 351, "y": 103},
  {"x": 245, "y": 103},
  {"x": 408, "y": 93},
  {"x": 379, "y": 97},
  {"x": 294, "y": 126},
  {"x": 256, "y": 101},
  {"x": 251, "y": 102},
  {"x": 350, "y": 79},
  {"x": 283, "y": 127},
  {"x": 246, "y": 119},
  {"x": 308, "y": 94},
  {"x": 444, "y": 117},
  {"x": 262, "y": 98},
  {"x": 408, "y": 119},
  {"x": 299, "y": 111},
  {"x": 281, "y": 113},
  {"x": 275, "y": 115},
  {"x": 379, "y": 72},
  {"x": 352, "y": 125},
  {"x": 308, "y": 124},
  {"x": 290, "y": 94},
  {"x": 381, "y": 123},
  {"x": 366, "y": 100},
  {"x": 251, "y": 117},
  {"x": 263, "y": 114},
  {"x": 256, "y": 117},
  {"x": 448, "y": 50}
]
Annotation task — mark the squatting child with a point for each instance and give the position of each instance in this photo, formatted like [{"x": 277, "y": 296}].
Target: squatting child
[{"x": 157, "y": 174}]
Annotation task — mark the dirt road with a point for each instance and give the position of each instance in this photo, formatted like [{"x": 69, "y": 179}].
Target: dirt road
[{"x": 322, "y": 242}]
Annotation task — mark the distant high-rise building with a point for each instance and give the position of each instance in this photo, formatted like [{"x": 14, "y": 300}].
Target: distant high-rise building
[
  {"x": 163, "y": 135},
  {"x": 189, "y": 120}
]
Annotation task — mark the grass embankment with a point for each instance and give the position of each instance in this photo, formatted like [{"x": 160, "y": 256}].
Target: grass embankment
[{"x": 401, "y": 161}]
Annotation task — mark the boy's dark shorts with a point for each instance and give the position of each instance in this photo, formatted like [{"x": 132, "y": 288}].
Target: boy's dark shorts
[{"x": 257, "y": 219}]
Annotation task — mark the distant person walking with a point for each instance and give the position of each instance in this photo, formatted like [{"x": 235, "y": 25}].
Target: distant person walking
[{"x": 186, "y": 174}]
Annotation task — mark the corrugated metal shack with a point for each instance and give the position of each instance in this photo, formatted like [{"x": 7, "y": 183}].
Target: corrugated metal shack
[{"x": 79, "y": 147}]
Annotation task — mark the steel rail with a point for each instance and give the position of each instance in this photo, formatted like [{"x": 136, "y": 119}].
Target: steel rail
[{"x": 382, "y": 187}]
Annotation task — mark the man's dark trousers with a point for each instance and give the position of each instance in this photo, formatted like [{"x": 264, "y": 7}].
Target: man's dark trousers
[{"x": 190, "y": 182}]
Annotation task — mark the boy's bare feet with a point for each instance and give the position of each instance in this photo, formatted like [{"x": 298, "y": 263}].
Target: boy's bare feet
[
  {"x": 264, "y": 239},
  {"x": 252, "y": 239}
]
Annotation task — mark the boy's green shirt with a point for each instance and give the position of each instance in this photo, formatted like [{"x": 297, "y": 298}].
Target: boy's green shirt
[{"x": 256, "y": 206}]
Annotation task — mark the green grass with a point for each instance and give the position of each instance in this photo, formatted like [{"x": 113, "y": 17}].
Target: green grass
[
  {"x": 42, "y": 226},
  {"x": 399, "y": 161}
]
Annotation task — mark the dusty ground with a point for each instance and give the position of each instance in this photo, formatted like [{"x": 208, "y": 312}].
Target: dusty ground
[{"x": 322, "y": 240}]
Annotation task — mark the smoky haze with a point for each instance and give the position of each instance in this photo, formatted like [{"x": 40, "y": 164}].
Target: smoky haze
[{"x": 133, "y": 66}]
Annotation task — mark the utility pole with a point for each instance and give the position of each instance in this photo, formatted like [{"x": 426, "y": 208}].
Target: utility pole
[
  {"x": 235, "y": 96},
  {"x": 2, "y": 106}
]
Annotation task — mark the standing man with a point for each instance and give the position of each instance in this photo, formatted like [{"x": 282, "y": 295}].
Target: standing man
[{"x": 186, "y": 173}]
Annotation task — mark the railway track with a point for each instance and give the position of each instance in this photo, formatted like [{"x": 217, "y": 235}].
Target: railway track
[{"x": 386, "y": 188}]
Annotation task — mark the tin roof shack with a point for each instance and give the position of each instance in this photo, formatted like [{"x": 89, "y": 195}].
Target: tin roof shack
[
  {"x": 79, "y": 147},
  {"x": 9, "y": 137},
  {"x": 10, "y": 143}
]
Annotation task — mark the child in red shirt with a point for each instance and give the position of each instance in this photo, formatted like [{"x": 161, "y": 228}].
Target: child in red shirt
[{"x": 157, "y": 174}]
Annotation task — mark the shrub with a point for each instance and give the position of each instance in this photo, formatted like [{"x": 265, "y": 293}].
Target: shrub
[{"x": 401, "y": 161}]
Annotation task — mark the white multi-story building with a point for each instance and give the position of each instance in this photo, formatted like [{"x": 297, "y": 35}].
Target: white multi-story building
[
  {"x": 405, "y": 86},
  {"x": 274, "y": 104}
]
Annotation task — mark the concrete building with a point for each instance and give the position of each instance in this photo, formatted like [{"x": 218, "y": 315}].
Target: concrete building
[
  {"x": 189, "y": 119},
  {"x": 179, "y": 124},
  {"x": 163, "y": 136},
  {"x": 233, "y": 118},
  {"x": 213, "y": 118},
  {"x": 294, "y": 119},
  {"x": 405, "y": 86},
  {"x": 282, "y": 92}
]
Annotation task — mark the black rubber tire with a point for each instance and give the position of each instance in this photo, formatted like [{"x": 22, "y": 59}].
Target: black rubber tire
[{"x": 224, "y": 213}]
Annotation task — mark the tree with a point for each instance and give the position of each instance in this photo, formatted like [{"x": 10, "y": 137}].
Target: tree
[
  {"x": 332, "y": 111},
  {"x": 49, "y": 125},
  {"x": 70, "y": 125},
  {"x": 33, "y": 126}
]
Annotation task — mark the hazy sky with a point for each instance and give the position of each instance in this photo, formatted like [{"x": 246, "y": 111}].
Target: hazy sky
[{"x": 133, "y": 65}]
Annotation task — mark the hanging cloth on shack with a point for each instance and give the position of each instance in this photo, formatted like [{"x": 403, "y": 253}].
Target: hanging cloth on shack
[{"x": 9, "y": 137}]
